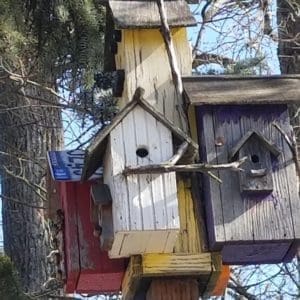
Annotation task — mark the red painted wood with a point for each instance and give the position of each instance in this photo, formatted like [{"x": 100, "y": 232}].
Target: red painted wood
[
  {"x": 96, "y": 273},
  {"x": 93, "y": 283},
  {"x": 71, "y": 251}
]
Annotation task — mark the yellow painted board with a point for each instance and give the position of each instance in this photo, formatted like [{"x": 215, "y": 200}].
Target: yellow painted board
[
  {"x": 176, "y": 264},
  {"x": 189, "y": 239},
  {"x": 142, "y": 55}
]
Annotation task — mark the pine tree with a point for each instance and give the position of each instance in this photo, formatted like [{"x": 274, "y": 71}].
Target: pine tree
[{"x": 45, "y": 46}]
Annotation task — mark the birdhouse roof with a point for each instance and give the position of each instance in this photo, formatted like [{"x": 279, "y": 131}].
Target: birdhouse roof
[
  {"x": 145, "y": 14},
  {"x": 95, "y": 151},
  {"x": 231, "y": 89},
  {"x": 252, "y": 133}
]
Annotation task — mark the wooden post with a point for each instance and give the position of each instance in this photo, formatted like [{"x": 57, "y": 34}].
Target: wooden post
[{"x": 173, "y": 289}]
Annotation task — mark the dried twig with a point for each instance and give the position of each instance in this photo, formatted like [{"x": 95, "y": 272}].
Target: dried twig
[
  {"x": 176, "y": 76},
  {"x": 201, "y": 167},
  {"x": 181, "y": 150},
  {"x": 292, "y": 145}
]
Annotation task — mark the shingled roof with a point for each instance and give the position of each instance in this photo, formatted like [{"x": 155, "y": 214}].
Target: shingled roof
[
  {"x": 236, "y": 89},
  {"x": 144, "y": 14}
]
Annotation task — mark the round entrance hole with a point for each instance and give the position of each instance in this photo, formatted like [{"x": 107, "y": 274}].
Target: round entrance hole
[
  {"x": 142, "y": 152},
  {"x": 254, "y": 158}
]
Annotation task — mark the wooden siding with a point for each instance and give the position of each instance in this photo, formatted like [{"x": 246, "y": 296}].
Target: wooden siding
[
  {"x": 144, "y": 14},
  {"x": 142, "y": 55},
  {"x": 95, "y": 152},
  {"x": 234, "y": 218},
  {"x": 189, "y": 238},
  {"x": 215, "y": 90},
  {"x": 188, "y": 258},
  {"x": 145, "y": 207},
  {"x": 89, "y": 270}
]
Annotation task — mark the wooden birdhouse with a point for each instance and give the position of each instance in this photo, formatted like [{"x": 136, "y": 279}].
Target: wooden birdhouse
[
  {"x": 135, "y": 46},
  {"x": 253, "y": 215},
  {"x": 84, "y": 266},
  {"x": 88, "y": 268},
  {"x": 144, "y": 206}
]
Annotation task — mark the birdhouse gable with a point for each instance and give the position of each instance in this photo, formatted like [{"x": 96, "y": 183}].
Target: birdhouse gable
[
  {"x": 142, "y": 112},
  {"x": 248, "y": 138},
  {"x": 257, "y": 175},
  {"x": 145, "y": 217}
]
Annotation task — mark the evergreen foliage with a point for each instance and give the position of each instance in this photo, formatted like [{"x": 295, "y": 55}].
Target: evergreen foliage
[
  {"x": 9, "y": 285},
  {"x": 63, "y": 38}
]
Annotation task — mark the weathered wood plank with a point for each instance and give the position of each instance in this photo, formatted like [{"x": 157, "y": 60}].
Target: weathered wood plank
[
  {"x": 260, "y": 253},
  {"x": 272, "y": 214},
  {"x": 132, "y": 277},
  {"x": 141, "y": 53},
  {"x": 212, "y": 194},
  {"x": 188, "y": 239},
  {"x": 145, "y": 189},
  {"x": 127, "y": 243},
  {"x": 118, "y": 189},
  {"x": 170, "y": 241},
  {"x": 114, "y": 252},
  {"x": 176, "y": 264},
  {"x": 156, "y": 144},
  {"x": 173, "y": 289},
  {"x": 71, "y": 238},
  {"x": 144, "y": 14},
  {"x": 226, "y": 134},
  {"x": 289, "y": 175},
  {"x": 242, "y": 90},
  {"x": 132, "y": 182}
]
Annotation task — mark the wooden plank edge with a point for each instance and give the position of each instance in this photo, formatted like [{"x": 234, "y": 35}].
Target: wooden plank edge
[
  {"x": 142, "y": 270},
  {"x": 219, "y": 277},
  {"x": 176, "y": 264},
  {"x": 132, "y": 278}
]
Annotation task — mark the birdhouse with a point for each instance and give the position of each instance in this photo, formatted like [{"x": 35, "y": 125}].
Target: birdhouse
[
  {"x": 253, "y": 215},
  {"x": 144, "y": 206},
  {"x": 84, "y": 266},
  {"x": 88, "y": 268},
  {"x": 135, "y": 46}
]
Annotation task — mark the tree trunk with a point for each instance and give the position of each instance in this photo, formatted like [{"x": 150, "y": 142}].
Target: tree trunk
[
  {"x": 289, "y": 36},
  {"x": 29, "y": 128}
]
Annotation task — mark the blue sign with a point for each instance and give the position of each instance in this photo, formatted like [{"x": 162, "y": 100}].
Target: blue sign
[{"x": 67, "y": 165}]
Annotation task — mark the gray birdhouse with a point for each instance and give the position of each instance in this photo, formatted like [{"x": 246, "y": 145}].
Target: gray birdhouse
[
  {"x": 257, "y": 175},
  {"x": 253, "y": 215},
  {"x": 144, "y": 207}
]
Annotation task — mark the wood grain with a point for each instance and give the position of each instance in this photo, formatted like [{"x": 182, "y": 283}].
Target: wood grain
[
  {"x": 176, "y": 264},
  {"x": 212, "y": 195},
  {"x": 144, "y": 14},
  {"x": 249, "y": 218},
  {"x": 146, "y": 202},
  {"x": 215, "y": 90},
  {"x": 141, "y": 53}
]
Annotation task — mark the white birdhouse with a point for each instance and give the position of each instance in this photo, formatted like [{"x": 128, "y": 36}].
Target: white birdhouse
[{"x": 144, "y": 206}]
